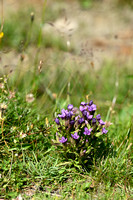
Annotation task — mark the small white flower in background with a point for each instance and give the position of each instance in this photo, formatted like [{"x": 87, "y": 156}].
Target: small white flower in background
[
  {"x": 15, "y": 141},
  {"x": 65, "y": 26},
  {"x": 19, "y": 197},
  {"x": 68, "y": 43},
  {"x": 107, "y": 124},
  {"x": 30, "y": 98},
  {"x": 16, "y": 154},
  {"x": 0, "y": 176},
  {"x": 2, "y": 85},
  {"x": 22, "y": 135},
  {"x": 11, "y": 95},
  {"x": 3, "y": 106}
]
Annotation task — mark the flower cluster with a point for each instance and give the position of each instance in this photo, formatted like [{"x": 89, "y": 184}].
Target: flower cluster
[
  {"x": 79, "y": 128},
  {"x": 80, "y": 121}
]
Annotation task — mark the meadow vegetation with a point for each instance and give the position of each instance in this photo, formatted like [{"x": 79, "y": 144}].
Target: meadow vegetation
[{"x": 47, "y": 76}]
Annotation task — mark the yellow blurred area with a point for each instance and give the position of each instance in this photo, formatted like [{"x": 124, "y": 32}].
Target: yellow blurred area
[{"x": 1, "y": 35}]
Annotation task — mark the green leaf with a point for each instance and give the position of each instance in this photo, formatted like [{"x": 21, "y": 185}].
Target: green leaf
[
  {"x": 129, "y": 76},
  {"x": 62, "y": 171},
  {"x": 98, "y": 134},
  {"x": 86, "y": 186}
]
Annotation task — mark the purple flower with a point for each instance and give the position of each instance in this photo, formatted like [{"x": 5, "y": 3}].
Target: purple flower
[
  {"x": 77, "y": 117},
  {"x": 57, "y": 121},
  {"x": 85, "y": 113},
  {"x": 63, "y": 115},
  {"x": 70, "y": 106},
  {"x": 98, "y": 117},
  {"x": 92, "y": 107},
  {"x": 101, "y": 122},
  {"x": 81, "y": 120},
  {"x": 83, "y": 104},
  {"x": 75, "y": 136},
  {"x": 87, "y": 131},
  {"x": 63, "y": 140},
  {"x": 69, "y": 114},
  {"x": 93, "y": 121},
  {"x": 63, "y": 111},
  {"x": 81, "y": 108},
  {"x": 84, "y": 151},
  {"x": 72, "y": 122},
  {"x": 90, "y": 103},
  {"x": 89, "y": 117},
  {"x": 104, "y": 131}
]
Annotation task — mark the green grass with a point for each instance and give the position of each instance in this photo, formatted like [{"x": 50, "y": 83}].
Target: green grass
[{"x": 31, "y": 163}]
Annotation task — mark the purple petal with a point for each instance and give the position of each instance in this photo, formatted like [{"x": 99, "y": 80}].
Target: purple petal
[
  {"x": 63, "y": 111},
  {"x": 81, "y": 108},
  {"x": 93, "y": 121},
  {"x": 89, "y": 117},
  {"x": 81, "y": 120},
  {"x": 63, "y": 139},
  {"x": 104, "y": 131},
  {"x": 98, "y": 117},
  {"x": 72, "y": 122},
  {"x": 83, "y": 104},
  {"x": 62, "y": 116},
  {"x": 90, "y": 108},
  {"x": 90, "y": 103},
  {"x": 77, "y": 117},
  {"x": 87, "y": 131},
  {"x": 57, "y": 121},
  {"x": 101, "y": 122},
  {"x": 70, "y": 107},
  {"x": 69, "y": 114},
  {"x": 85, "y": 113},
  {"x": 75, "y": 136},
  {"x": 93, "y": 107}
]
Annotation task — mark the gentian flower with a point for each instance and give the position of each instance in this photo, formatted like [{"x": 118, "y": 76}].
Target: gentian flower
[
  {"x": 85, "y": 113},
  {"x": 87, "y": 131},
  {"x": 92, "y": 108},
  {"x": 81, "y": 108},
  {"x": 63, "y": 115},
  {"x": 83, "y": 104},
  {"x": 78, "y": 127},
  {"x": 104, "y": 131},
  {"x": 57, "y": 121},
  {"x": 93, "y": 121},
  {"x": 101, "y": 122},
  {"x": 63, "y": 140},
  {"x": 89, "y": 117},
  {"x": 98, "y": 117},
  {"x": 70, "y": 106},
  {"x": 72, "y": 122},
  {"x": 81, "y": 120},
  {"x": 75, "y": 136},
  {"x": 69, "y": 114},
  {"x": 90, "y": 103}
]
